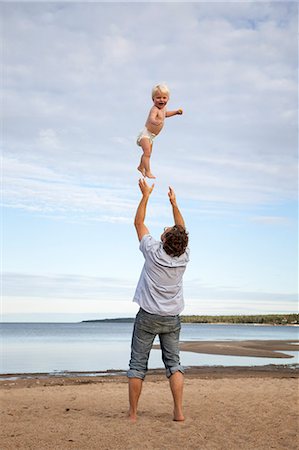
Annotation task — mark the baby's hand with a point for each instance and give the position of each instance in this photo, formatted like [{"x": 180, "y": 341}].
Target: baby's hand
[{"x": 180, "y": 111}]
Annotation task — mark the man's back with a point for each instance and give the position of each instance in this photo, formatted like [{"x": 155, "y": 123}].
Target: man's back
[{"x": 160, "y": 290}]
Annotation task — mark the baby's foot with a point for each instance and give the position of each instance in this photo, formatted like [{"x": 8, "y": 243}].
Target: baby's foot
[
  {"x": 149, "y": 175},
  {"x": 142, "y": 170}
]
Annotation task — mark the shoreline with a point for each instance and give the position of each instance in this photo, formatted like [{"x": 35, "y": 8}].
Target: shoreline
[
  {"x": 90, "y": 377},
  {"x": 71, "y": 378}
]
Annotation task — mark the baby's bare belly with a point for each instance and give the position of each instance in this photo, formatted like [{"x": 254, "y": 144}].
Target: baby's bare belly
[{"x": 155, "y": 129}]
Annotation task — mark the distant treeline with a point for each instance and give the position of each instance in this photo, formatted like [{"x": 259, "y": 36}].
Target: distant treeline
[{"x": 271, "y": 319}]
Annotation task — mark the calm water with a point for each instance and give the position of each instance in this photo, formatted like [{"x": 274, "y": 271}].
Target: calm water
[{"x": 58, "y": 347}]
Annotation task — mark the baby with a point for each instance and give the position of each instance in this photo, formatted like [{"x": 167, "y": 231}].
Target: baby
[{"x": 153, "y": 126}]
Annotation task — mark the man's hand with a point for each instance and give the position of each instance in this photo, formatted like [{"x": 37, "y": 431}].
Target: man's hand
[
  {"x": 178, "y": 218},
  {"x": 172, "y": 196},
  {"x": 145, "y": 188},
  {"x": 140, "y": 226}
]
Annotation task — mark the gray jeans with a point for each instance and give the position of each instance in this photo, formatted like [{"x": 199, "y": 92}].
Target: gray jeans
[{"x": 146, "y": 327}]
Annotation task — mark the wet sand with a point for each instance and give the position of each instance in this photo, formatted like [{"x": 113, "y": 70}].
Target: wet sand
[{"x": 262, "y": 349}]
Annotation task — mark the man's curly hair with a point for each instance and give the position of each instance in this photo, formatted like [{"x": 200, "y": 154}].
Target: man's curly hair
[{"x": 176, "y": 241}]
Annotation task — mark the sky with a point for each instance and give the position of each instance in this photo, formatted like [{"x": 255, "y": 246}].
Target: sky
[{"x": 77, "y": 80}]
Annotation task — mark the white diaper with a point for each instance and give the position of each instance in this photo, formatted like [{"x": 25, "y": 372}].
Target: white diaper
[{"x": 145, "y": 133}]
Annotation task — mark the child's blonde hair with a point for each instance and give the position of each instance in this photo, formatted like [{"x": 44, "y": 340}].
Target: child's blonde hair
[{"x": 163, "y": 88}]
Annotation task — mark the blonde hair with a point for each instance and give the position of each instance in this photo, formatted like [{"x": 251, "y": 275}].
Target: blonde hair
[{"x": 160, "y": 87}]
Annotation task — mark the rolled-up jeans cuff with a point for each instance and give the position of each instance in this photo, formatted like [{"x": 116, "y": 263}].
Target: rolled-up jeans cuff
[
  {"x": 132, "y": 373},
  {"x": 171, "y": 370}
]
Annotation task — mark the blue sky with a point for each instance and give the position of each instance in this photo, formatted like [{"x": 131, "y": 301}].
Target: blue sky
[{"x": 77, "y": 82}]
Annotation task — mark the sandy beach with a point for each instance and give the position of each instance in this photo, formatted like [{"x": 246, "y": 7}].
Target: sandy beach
[
  {"x": 225, "y": 409},
  {"x": 229, "y": 408}
]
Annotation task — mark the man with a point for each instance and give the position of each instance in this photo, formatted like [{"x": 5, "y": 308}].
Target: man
[{"x": 159, "y": 294}]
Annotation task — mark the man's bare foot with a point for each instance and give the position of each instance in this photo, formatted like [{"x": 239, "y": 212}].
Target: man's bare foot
[
  {"x": 178, "y": 416},
  {"x": 132, "y": 417},
  {"x": 149, "y": 175},
  {"x": 142, "y": 170}
]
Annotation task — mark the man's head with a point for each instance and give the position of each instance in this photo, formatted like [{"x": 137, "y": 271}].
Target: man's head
[{"x": 175, "y": 240}]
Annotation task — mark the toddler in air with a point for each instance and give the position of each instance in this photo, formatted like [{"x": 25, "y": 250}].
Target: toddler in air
[{"x": 153, "y": 126}]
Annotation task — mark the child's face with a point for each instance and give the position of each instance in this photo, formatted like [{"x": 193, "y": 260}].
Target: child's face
[{"x": 160, "y": 99}]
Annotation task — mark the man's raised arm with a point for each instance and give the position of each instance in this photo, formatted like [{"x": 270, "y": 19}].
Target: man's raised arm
[
  {"x": 177, "y": 216},
  {"x": 141, "y": 210}
]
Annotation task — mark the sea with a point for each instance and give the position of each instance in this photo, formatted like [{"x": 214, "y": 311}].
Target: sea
[{"x": 97, "y": 347}]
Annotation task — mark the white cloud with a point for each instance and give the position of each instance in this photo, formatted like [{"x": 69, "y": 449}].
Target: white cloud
[
  {"x": 31, "y": 294},
  {"x": 31, "y": 187},
  {"x": 48, "y": 138},
  {"x": 65, "y": 286},
  {"x": 271, "y": 220}
]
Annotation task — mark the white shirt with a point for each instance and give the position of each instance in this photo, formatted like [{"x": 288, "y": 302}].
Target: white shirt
[{"x": 160, "y": 286}]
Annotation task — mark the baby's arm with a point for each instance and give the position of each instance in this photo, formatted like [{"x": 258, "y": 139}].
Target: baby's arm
[{"x": 173, "y": 113}]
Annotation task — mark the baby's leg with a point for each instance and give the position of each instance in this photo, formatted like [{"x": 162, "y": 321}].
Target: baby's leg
[
  {"x": 141, "y": 168},
  {"x": 144, "y": 165}
]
